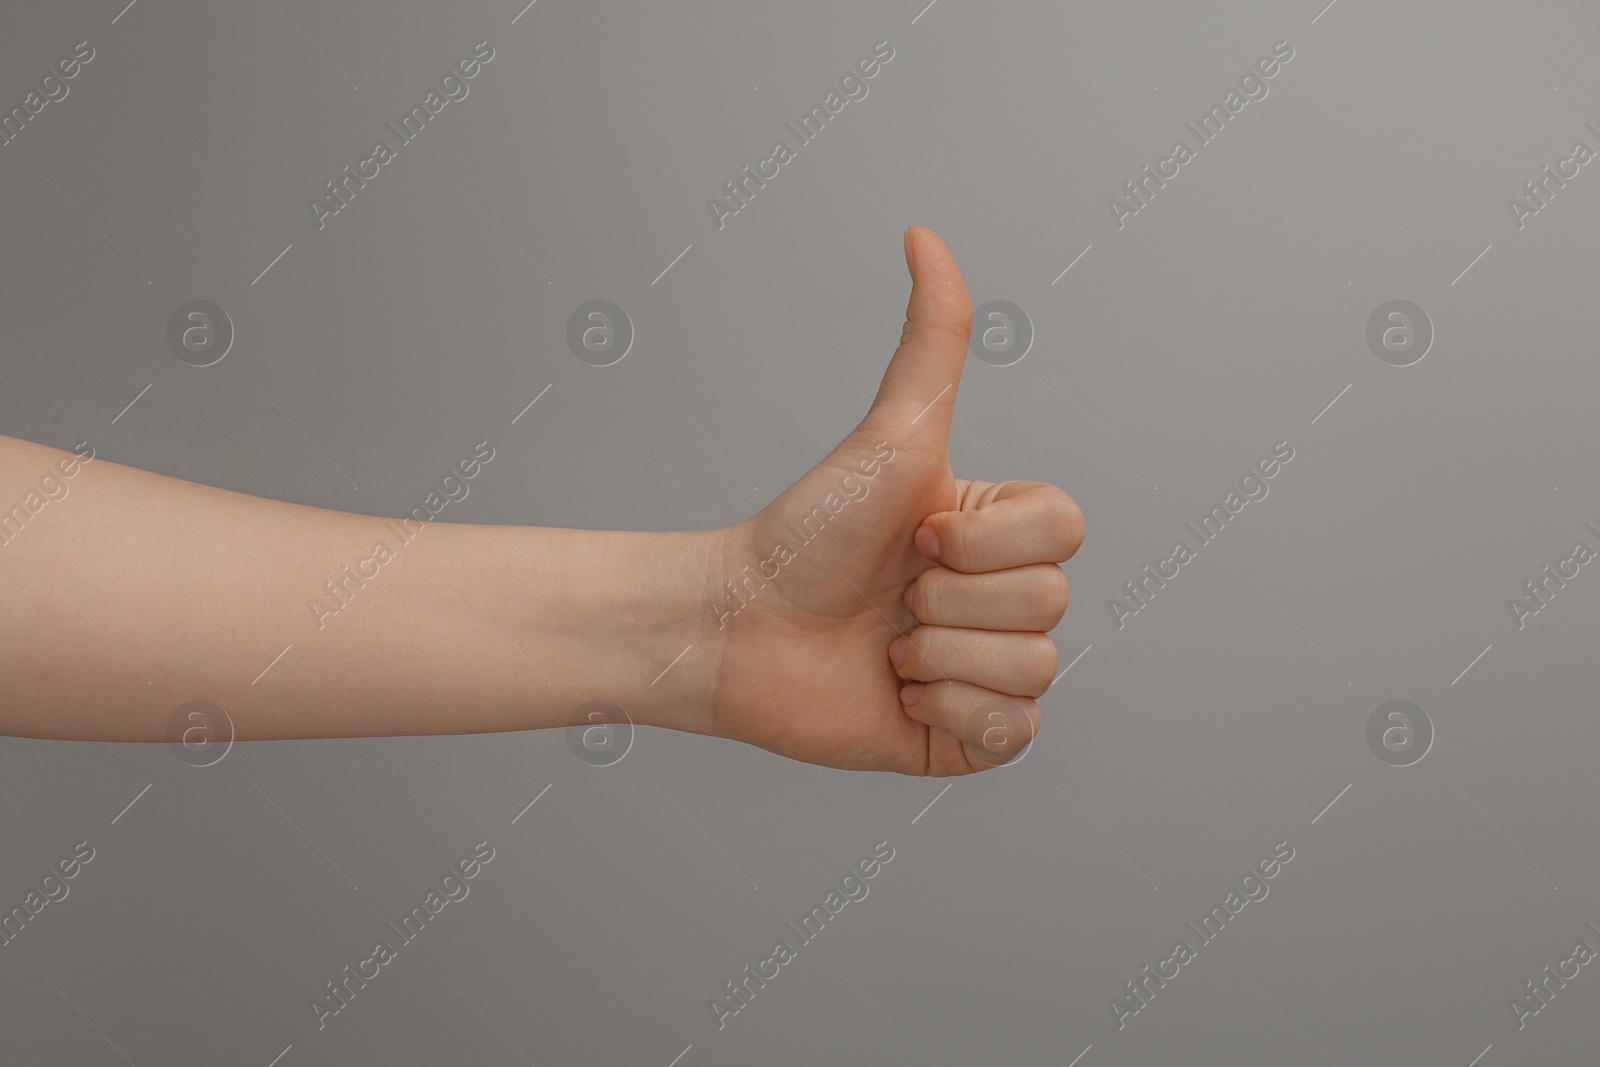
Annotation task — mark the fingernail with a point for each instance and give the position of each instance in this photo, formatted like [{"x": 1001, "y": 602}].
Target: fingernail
[
  {"x": 911, "y": 692},
  {"x": 897, "y": 651},
  {"x": 927, "y": 541},
  {"x": 907, "y": 597}
]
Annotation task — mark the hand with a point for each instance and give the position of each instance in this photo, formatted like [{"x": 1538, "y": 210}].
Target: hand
[
  {"x": 881, "y": 613},
  {"x": 483, "y": 628}
]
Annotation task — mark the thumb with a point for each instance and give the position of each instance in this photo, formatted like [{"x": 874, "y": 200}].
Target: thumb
[{"x": 920, "y": 385}]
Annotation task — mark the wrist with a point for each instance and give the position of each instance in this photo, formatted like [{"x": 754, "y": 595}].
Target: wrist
[
  {"x": 661, "y": 647},
  {"x": 619, "y": 616}
]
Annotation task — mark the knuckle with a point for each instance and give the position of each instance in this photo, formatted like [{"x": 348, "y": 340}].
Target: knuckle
[
  {"x": 959, "y": 322},
  {"x": 1033, "y": 720},
  {"x": 1067, "y": 524},
  {"x": 1042, "y": 662},
  {"x": 1054, "y": 593},
  {"x": 1002, "y": 729},
  {"x": 952, "y": 325}
]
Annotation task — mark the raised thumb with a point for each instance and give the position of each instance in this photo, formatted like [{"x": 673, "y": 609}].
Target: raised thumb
[{"x": 920, "y": 384}]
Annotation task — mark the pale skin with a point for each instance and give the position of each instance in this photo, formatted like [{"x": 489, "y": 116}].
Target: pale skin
[{"x": 908, "y": 635}]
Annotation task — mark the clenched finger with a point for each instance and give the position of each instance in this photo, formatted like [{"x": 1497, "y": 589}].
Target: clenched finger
[
  {"x": 1023, "y": 523},
  {"x": 991, "y": 727},
  {"x": 1019, "y": 664},
  {"x": 1021, "y": 598}
]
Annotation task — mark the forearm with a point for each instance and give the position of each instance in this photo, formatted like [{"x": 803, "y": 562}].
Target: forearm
[{"x": 129, "y": 593}]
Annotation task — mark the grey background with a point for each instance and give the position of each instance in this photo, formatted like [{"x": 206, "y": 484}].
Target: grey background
[{"x": 1195, "y": 338}]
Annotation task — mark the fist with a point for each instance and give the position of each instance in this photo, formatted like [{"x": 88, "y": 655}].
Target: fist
[
  {"x": 978, "y": 656},
  {"x": 880, "y": 613}
]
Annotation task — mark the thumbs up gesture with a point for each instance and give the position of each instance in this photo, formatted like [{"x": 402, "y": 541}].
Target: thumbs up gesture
[{"x": 881, "y": 613}]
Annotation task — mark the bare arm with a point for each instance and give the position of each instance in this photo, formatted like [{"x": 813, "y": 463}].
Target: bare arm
[
  {"x": 129, "y": 593},
  {"x": 879, "y": 614}
]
